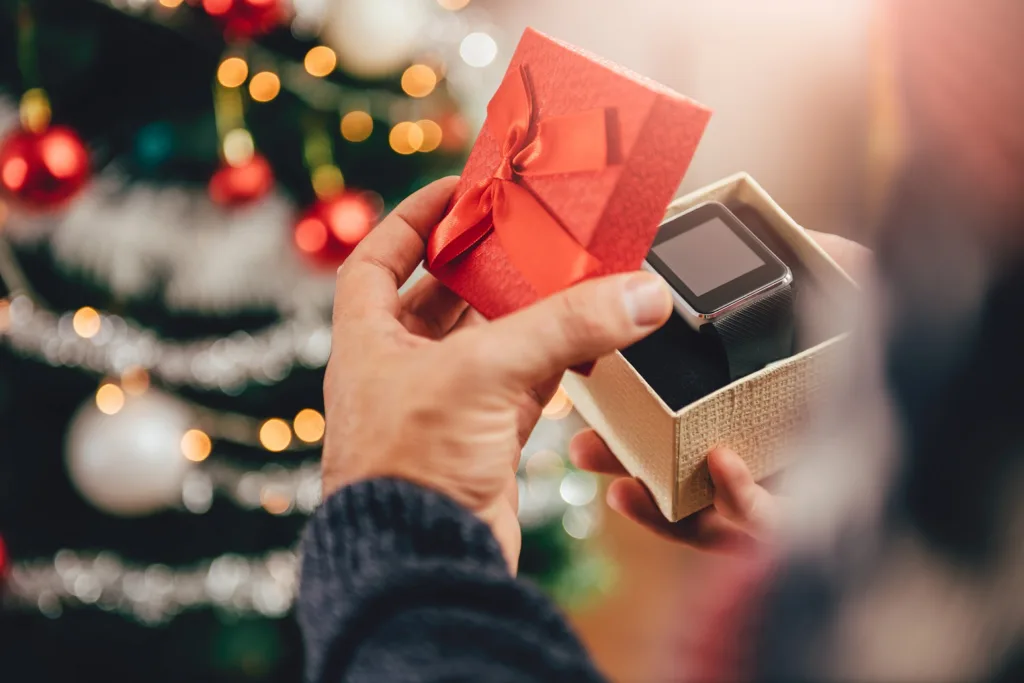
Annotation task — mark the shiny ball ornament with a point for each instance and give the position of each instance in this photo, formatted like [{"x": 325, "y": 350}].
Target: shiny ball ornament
[
  {"x": 239, "y": 185},
  {"x": 330, "y": 229},
  {"x": 246, "y": 18},
  {"x": 3, "y": 559},
  {"x": 129, "y": 463},
  {"x": 375, "y": 38},
  {"x": 43, "y": 170}
]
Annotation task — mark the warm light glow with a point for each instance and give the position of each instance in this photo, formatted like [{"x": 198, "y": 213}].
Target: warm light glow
[
  {"x": 432, "y": 135},
  {"x": 275, "y": 502},
  {"x": 356, "y": 126},
  {"x": 327, "y": 181},
  {"x": 170, "y": 3},
  {"x": 406, "y": 137},
  {"x": 60, "y": 154},
  {"x": 4, "y": 212},
  {"x": 350, "y": 219},
  {"x": 216, "y": 7},
  {"x": 232, "y": 72},
  {"x": 559, "y": 406},
  {"x": 309, "y": 425},
  {"x": 453, "y": 5},
  {"x": 311, "y": 235},
  {"x": 238, "y": 147},
  {"x": 135, "y": 381},
  {"x": 13, "y": 174},
  {"x": 35, "y": 110},
  {"x": 544, "y": 464},
  {"x": 109, "y": 399},
  {"x": 264, "y": 86},
  {"x": 478, "y": 49},
  {"x": 196, "y": 445},
  {"x": 419, "y": 80},
  {"x": 320, "y": 61},
  {"x": 86, "y": 322},
  {"x": 275, "y": 435},
  {"x": 5, "y": 315}
]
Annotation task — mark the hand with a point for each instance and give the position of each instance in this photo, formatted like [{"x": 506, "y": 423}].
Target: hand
[
  {"x": 420, "y": 387},
  {"x": 742, "y": 512}
]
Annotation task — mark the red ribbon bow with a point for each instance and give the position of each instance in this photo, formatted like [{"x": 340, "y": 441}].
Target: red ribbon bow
[{"x": 535, "y": 242}]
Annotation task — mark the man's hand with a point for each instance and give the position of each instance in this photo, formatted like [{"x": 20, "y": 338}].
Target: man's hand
[
  {"x": 420, "y": 387},
  {"x": 743, "y": 513}
]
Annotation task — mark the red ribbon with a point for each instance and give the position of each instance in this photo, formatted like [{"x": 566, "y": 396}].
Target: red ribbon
[{"x": 535, "y": 242}]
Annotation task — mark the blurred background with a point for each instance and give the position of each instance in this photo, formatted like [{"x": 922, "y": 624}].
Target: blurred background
[{"x": 180, "y": 179}]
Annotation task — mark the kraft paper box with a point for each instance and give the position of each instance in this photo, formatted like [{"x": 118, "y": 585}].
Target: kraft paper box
[
  {"x": 568, "y": 179},
  {"x": 755, "y": 416}
]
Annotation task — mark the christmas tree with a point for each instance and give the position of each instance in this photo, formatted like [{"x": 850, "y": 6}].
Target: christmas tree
[{"x": 178, "y": 183}]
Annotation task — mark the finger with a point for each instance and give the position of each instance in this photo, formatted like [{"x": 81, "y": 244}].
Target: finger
[
  {"x": 589, "y": 452},
  {"x": 370, "y": 278},
  {"x": 531, "y": 406},
  {"x": 578, "y": 325},
  {"x": 739, "y": 498},
  {"x": 706, "y": 530},
  {"x": 470, "y": 318},
  {"x": 430, "y": 309}
]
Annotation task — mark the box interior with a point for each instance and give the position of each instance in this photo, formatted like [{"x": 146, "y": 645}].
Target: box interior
[{"x": 683, "y": 366}]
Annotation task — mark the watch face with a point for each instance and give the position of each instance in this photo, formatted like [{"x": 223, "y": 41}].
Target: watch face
[{"x": 712, "y": 260}]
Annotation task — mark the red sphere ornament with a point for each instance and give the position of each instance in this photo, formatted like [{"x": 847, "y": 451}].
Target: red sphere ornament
[
  {"x": 43, "y": 170},
  {"x": 238, "y": 185},
  {"x": 246, "y": 18},
  {"x": 330, "y": 229},
  {"x": 3, "y": 559}
]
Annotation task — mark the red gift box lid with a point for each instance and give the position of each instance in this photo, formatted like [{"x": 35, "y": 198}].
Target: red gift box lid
[{"x": 613, "y": 213}]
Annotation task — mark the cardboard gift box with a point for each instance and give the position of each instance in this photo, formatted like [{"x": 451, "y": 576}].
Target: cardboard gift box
[
  {"x": 756, "y": 415},
  {"x": 567, "y": 180}
]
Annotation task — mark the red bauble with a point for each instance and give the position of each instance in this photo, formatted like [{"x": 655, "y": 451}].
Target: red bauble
[
  {"x": 43, "y": 170},
  {"x": 330, "y": 229},
  {"x": 246, "y": 18},
  {"x": 237, "y": 185},
  {"x": 3, "y": 559}
]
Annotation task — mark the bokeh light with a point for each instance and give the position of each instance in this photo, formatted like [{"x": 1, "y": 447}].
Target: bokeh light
[
  {"x": 232, "y": 72},
  {"x": 171, "y": 4},
  {"x": 135, "y": 381},
  {"x": 419, "y": 80},
  {"x": 275, "y": 435},
  {"x": 35, "y": 110},
  {"x": 309, "y": 425},
  {"x": 196, "y": 445},
  {"x": 86, "y": 322},
  {"x": 406, "y": 137},
  {"x": 432, "y": 135},
  {"x": 453, "y": 5},
  {"x": 559, "y": 406},
  {"x": 109, "y": 399},
  {"x": 327, "y": 181},
  {"x": 356, "y": 126},
  {"x": 478, "y": 49},
  {"x": 311, "y": 235},
  {"x": 264, "y": 86},
  {"x": 320, "y": 61},
  {"x": 238, "y": 147}
]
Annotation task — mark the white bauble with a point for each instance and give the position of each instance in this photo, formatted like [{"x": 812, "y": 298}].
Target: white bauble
[
  {"x": 129, "y": 463},
  {"x": 375, "y": 38}
]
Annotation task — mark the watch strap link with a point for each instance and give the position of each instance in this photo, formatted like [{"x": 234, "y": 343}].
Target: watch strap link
[{"x": 756, "y": 334}]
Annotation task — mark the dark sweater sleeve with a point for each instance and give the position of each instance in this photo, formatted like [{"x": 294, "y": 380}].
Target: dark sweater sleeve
[{"x": 402, "y": 584}]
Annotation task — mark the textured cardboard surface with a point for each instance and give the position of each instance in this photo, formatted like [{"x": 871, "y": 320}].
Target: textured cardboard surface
[{"x": 756, "y": 416}]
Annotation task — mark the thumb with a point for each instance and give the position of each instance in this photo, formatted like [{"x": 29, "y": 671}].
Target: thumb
[{"x": 575, "y": 326}]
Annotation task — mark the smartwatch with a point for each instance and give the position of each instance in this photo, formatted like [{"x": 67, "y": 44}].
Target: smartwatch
[{"x": 727, "y": 284}]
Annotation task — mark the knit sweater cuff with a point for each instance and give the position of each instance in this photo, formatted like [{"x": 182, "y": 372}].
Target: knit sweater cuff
[{"x": 373, "y": 546}]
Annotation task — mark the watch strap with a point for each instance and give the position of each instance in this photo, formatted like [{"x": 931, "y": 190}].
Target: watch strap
[{"x": 757, "y": 334}]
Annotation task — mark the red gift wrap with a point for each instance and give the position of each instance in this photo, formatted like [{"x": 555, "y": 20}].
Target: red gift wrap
[{"x": 568, "y": 180}]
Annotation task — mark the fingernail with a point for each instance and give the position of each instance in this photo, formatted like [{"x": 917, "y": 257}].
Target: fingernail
[{"x": 646, "y": 299}]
